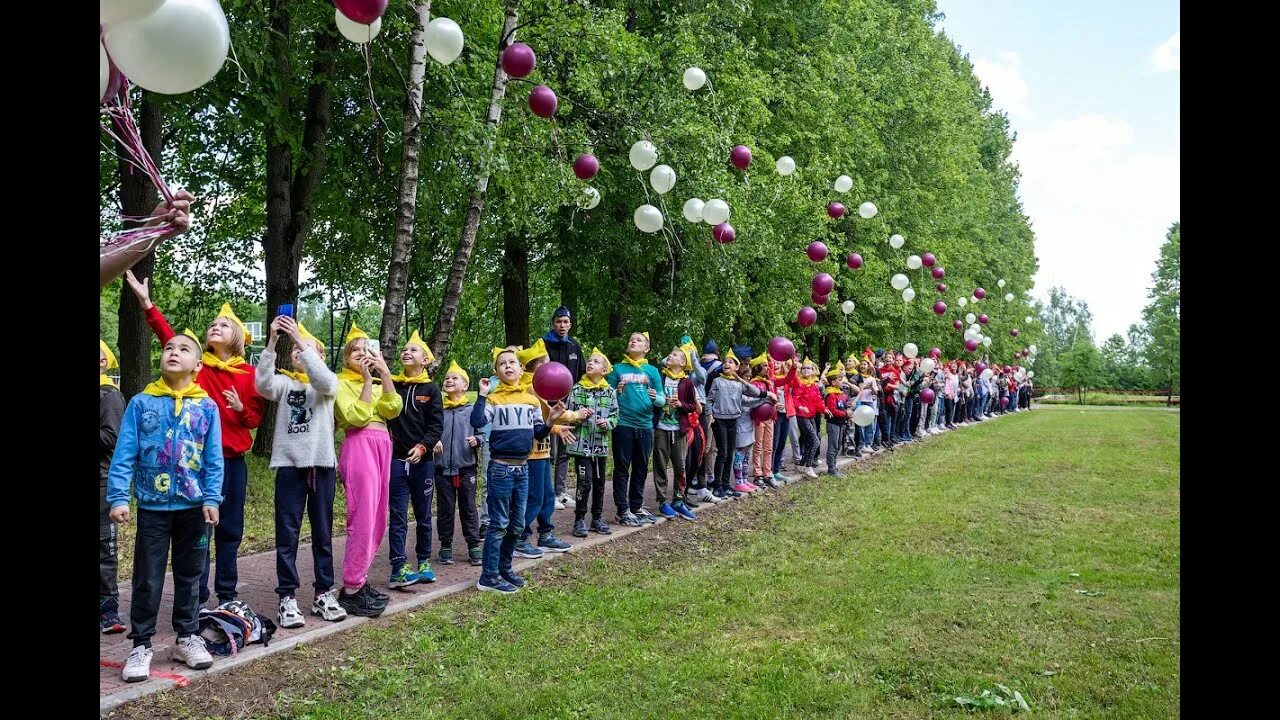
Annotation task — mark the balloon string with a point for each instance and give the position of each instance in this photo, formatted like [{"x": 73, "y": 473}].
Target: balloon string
[
  {"x": 241, "y": 75},
  {"x": 377, "y": 115}
]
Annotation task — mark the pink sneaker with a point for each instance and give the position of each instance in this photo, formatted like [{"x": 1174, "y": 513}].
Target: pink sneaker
[
  {"x": 744, "y": 487},
  {"x": 754, "y": 487}
]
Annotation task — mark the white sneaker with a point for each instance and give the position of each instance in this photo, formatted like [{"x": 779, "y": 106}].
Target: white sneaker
[
  {"x": 559, "y": 504},
  {"x": 288, "y": 613},
  {"x": 810, "y": 472},
  {"x": 566, "y": 500},
  {"x": 327, "y": 607},
  {"x": 138, "y": 667},
  {"x": 705, "y": 495},
  {"x": 191, "y": 650}
]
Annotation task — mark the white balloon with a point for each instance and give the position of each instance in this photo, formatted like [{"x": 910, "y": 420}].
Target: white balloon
[
  {"x": 971, "y": 335},
  {"x": 899, "y": 282},
  {"x": 914, "y": 262},
  {"x": 173, "y": 50},
  {"x": 785, "y": 165},
  {"x": 663, "y": 178},
  {"x": 648, "y": 218},
  {"x": 1033, "y": 349},
  {"x": 844, "y": 184},
  {"x": 1008, "y": 297},
  {"x": 443, "y": 39},
  {"x": 867, "y": 210},
  {"x": 971, "y": 318},
  {"x": 910, "y": 350},
  {"x": 589, "y": 198},
  {"x": 114, "y": 11},
  {"x": 715, "y": 212},
  {"x": 358, "y": 33},
  {"x": 908, "y": 295},
  {"x": 864, "y": 416},
  {"x": 986, "y": 374},
  {"x": 986, "y": 342},
  {"x": 1028, "y": 319},
  {"x": 896, "y": 241},
  {"x": 643, "y": 155},
  {"x": 1031, "y": 373},
  {"x": 976, "y": 329},
  {"x": 973, "y": 299},
  {"x": 693, "y": 210},
  {"x": 694, "y": 78},
  {"x": 1000, "y": 282},
  {"x": 962, "y": 301},
  {"x": 847, "y": 306},
  {"x": 104, "y": 71},
  {"x": 928, "y": 365}
]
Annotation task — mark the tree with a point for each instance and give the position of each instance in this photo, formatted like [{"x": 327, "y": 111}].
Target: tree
[
  {"x": 1162, "y": 314},
  {"x": 1082, "y": 367}
]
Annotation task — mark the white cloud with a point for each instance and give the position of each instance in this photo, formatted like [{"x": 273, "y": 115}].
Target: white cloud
[
  {"x": 1168, "y": 57},
  {"x": 1003, "y": 77}
]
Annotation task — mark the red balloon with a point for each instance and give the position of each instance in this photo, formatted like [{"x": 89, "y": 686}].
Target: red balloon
[
  {"x": 1004, "y": 401},
  {"x": 928, "y": 259},
  {"x": 983, "y": 319},
  {"x": 979, "y": 293},
  {"x": 552, "y": 381},
  {"x": 1026, "y": 351},
  {"x": 823, "y": 284},
  {"x": 970, "y": 345},
  {"x": 585, "y": 166},
  {"x": 806, "y": 317},
  {"x": 940, "y": 308},
  {"x": 781, "y": 349},
  {"x": 764, "y": 412},
  {"x": 542, "y": 101},
  {"x": 1013, "y": 332},
  {"x": 979, "y": 367},
  {"x": 740, "y": 157},
  {"x": 817, "y": 251},
  {"x": 927, "y": 395},
  {"x": 935, "y": 353},
  {"x": 518, "y": 60},
  {"x": 835, "y": 210},
  {"x": 942, "y": 287},
  {"x": 854, "y": 261},
  {"x": 819, "y": 298},
  {"x": 724, "y": 233},
  {"x": 938, "y": 272},
  {"x": 362, "y": 11},
  {"x": 958, "y": 325}
]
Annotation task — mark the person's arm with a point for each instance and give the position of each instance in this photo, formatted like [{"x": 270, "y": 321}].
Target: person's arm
[
  {"x": 481, "y": 413},
  {"x": 613, "y": 409},
  {"x": 389, "y": 404},
  {"x": 120, "y": 477},
  {"x": 323, "y": 380},
  {"x": 111, "y": 412},
  {"x": 155, "y": 319},
  {"x": 352, "y": 408},
  {"x": 254, "y": 407},
  {"x": 265, "y": 380}
]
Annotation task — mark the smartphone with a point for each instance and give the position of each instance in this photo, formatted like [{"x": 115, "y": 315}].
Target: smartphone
[{"x": 286, "y": 309}]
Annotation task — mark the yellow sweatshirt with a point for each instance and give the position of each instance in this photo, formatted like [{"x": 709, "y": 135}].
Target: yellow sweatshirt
[{"x": 351, "y": 412}]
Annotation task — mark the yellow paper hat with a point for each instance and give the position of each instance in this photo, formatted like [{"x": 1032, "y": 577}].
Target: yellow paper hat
[
  {"x": 731, "y": 355},
  {"x": 809, "y": 361},
  {"x": 454, "y": 368},
  {"x": 188, "y": 332},
  {"x": 690, "y": 352},
  {"x": 499, "y": 350},
  {"x": 355, "y": 334},
  {"x": 306, "y": 335},
  {"x": 415, "y": 339},
  {"x": 111, "y": 357},
  {"x": 230, "y": 314},
  {"x": 535, "y": 351},
  {"x": 608, "y": 366},
  {"x": 759, "y": 360},
  {"x": 835, "y": 372}
]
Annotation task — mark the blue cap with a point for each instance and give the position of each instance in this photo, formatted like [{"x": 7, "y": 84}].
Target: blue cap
[{"x": 711, "y": 348}]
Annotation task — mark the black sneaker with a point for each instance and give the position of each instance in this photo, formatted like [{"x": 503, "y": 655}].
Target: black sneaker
[
  {"x": 769, "y": 482},
  {"x": 498, "y": 585},
  {"x": 109, "y": 621},
  {"x": 446, "y": 554},
  {"x": 476, "y": 555},
  {"x": 629, "y": 519},
  {"x": 376, "y": 597},
  {"x": 600, "y": 526},
  {"x": 360, "y": 603},
  {"x": 580, "y": 527},
  {"x": 511, "y": 577},
  {"x": 691, "y": 500}
]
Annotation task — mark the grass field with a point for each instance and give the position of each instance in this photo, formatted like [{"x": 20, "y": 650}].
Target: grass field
[{"x": 1039, "y": 552}]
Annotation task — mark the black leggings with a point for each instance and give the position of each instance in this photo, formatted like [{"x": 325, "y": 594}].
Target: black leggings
[{"x": 726, "y": 431}]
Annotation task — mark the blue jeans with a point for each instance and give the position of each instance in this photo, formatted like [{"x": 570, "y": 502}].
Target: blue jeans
[
  {"x": 506, "y": 492},
  {"x": 868, "y": 434},
  {"x": 542, "y": 498},
  {"x": 631, "y": 450},
  {"x": 781, "y": 431},
  {"x": 410, "y": 482},
  {"x": 228, "y": 533}
]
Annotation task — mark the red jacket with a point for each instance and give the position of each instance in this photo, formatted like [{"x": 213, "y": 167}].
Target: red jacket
[
  {"x": 236, "y": 439},
  {"x": 838, "y": 405},
  {"x": 808, "y": 400}
]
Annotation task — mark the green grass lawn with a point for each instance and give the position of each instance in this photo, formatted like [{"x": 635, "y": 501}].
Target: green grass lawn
[
  {"x": 1095, "y": 398},
  {"x": 1040, "y": 552}
]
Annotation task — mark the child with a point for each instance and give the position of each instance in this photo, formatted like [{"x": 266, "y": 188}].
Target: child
[
  {"x": 639, "y": 392},
  {"x": 541, "y": 503},
  {"x": 784, "y": 382},
  {"x": 696, "y": 436},
  {"x": 808, "y": 399},
  {"x": 745, "y": 433},
  {"x": 228, "y": 379},
  {"x": 867, "y": 396},
  {"x": 517, "y": 420},
  {"x": 762, "y": 451},
  {"x": 456, "y": 469},
  {"x": 837, "y": 410},
  {"x": 170, "y": 451},
  {"x": 305, "y": 464},
  {"x": 110, "y": 410},
  {"x": 725, "y": 399},
  {"x": 362, "y": 409},
  {"x": 414, "y": 435},
  {"x": 670, "y": 438},
  {"x": 590, "y": 450}
]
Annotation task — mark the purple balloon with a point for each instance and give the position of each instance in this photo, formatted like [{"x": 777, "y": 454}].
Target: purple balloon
[
  {"x": 552, "y": 381},
  {"x": 970, "y": 345},
  {"x": 940, "y": 308},
  {"x": 806, "y": 317},
  {"x": 781, "y": 349},
  {"x": 979, "y": 367},
  {"x": 854, "y": 261},
  {"x": 817, "y": 251},
  {"x": 938, "y": 272},
  {"x": 928, "y": 259},
  {"x": 518, "y": 60},
  {"x": 362, "y": 11},
  {"x": 835, "y": 210},
  {"x": 724, "y": 233},
  {"x": 585, "y": 166},
  {"x": 1026, "y": 351},
  {"x": 542, "y": 101},
  {"x": 942, "y": 287},
  {"x": 984, "y": 319},
  {"x": 819, "y": 298},
  {"x": 935, "y": 353},
  {"x": 1013, "y": 332},
  {"x": 979, "y": 293},
  {"x": 823, "y": 284},
  {"x": 927, "y": 395},
  {"x": 764, "y": 412},
  {"x": 740, "y": 156},
  {"x": 958, "y": 325},
  {"x": 1004, "y": 401}
]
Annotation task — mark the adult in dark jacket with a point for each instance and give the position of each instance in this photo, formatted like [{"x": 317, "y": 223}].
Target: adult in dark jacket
[{"x": 564, "y": 349}]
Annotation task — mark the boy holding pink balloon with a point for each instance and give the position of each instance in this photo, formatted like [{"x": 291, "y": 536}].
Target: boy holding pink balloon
[{"x": 542, "y": 496}]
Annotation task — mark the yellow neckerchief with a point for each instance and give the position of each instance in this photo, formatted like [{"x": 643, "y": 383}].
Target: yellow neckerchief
[
  {"x": 597, "y": 385},
  {"x": 352, "y": 376},
  {"x": 161, "y": 389},
  {"x": 103, "y": 381},
  {"x": 421, "y": 377},
  {"x": 832, "y": 390},
  {"x": 451, "y": 403},
  {"x": 675, "y": 374},
  {"x": 505, "y": 388},
  {"x": 807, "y": 381},
  {"x": 231, "y": 365},
  {"x": 526, "y": 380},
  {"x": 296, "y": 375},
  {"x": 728, "y": 375},
  {"x": 638, "y": 362}
]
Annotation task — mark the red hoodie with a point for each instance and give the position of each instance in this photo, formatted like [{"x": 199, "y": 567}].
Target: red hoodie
[
  {"x": 236, "y": 439},
  {"x": 838, "y": 405},
  {"x": 808, "y": 400},
  {"x": 890, "y": 376}
]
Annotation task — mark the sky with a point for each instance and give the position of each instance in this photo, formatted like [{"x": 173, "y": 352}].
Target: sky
[{"x": 1092, "y": 91}]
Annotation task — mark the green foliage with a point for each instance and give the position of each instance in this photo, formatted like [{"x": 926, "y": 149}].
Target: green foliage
[{"x": 1163, "y": 314}]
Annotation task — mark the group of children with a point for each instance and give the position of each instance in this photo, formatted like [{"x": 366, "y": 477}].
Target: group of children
[{"x": 721, "y": 425}]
